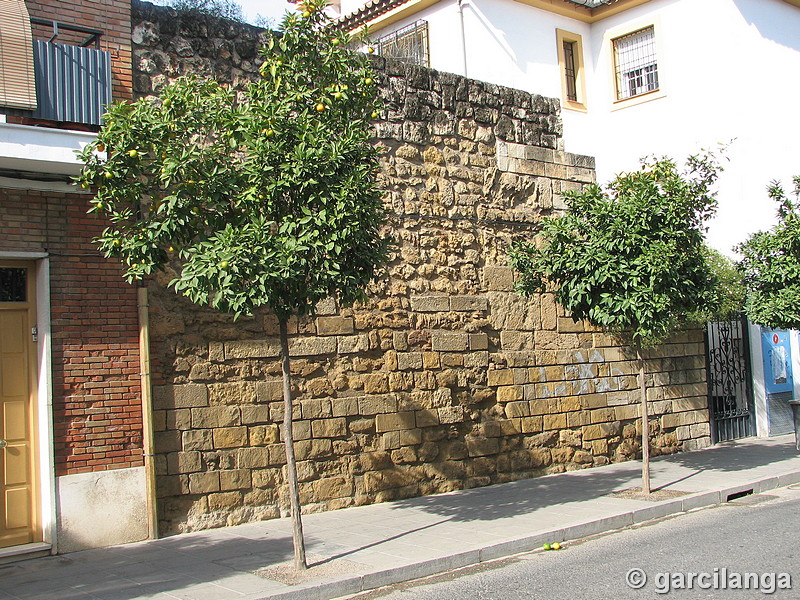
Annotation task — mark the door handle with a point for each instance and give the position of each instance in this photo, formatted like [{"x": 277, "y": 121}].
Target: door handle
[{"x": 3, "y": 443}]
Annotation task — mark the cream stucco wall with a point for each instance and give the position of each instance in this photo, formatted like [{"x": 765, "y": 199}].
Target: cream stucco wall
[{"x": 101, "y": 509}]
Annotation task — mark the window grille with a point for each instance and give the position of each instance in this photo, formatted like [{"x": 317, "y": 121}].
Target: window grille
[
  {"x": 408, "y": 44},
  {"x": 635, "y": 63},
  {"x": 13, "y": 284},
  {"x": 570, "y": 73}
]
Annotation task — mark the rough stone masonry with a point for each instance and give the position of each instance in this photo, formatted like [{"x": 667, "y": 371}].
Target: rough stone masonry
[{"x": 447, "y": 378}]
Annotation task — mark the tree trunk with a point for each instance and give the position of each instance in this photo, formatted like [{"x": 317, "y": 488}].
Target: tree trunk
[
  {"x": 645, "y": 426},
  {"x": 291, "y": 464}
]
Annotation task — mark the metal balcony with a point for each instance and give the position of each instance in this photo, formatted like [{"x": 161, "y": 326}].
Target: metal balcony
[{"x": 73, "y": 83}]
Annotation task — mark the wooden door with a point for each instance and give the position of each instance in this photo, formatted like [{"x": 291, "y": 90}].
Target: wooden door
[{"x": 19, "y": 502}]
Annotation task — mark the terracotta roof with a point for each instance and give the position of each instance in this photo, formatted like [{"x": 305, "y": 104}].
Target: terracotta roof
[
  {"x": 375, "y": 8},
  {"x": 371, "y": 10}
]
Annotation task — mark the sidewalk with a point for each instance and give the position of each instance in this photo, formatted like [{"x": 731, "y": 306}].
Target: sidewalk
[{"x": 362, "y": 548}]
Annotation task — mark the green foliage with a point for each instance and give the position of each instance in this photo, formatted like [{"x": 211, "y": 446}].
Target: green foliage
[
  {"x": 630, "y": 259},
  {"x": 771, "y": 266},
  {"x": 730, "y": 290},
  {"x": 262, "y": 196}
]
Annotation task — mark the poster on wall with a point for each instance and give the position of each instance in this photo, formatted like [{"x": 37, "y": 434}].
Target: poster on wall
[{"x": 777, "y": 355}]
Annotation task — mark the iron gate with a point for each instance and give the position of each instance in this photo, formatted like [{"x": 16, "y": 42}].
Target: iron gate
[{"x": 730, "y": 389}]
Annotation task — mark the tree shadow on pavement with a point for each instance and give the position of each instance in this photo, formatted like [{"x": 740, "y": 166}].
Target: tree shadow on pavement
[
  {"x": 562, "y": 490},
  {"x": 182, "y": 563},
  {"x": 735, "y": 456},
  {"x": 526, "y": 496}
]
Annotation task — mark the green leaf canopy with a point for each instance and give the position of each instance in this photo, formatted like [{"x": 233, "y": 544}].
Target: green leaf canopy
[
  {"x": 770, "y": 266},
  {"x": 630, "y": 259},
  {"x": 263, "y": 194}
]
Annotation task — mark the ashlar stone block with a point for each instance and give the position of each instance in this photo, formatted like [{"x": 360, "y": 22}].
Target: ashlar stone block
[
  {"x": 430, "y": 303},
  {"x": 395, "y": 421},
  {"x": 335, "y": 325},
  {"x": 329, "y": 428},
  {"x": 443, "y": 341}
]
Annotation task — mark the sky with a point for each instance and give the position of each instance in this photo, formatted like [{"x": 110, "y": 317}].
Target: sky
[
  {"x": 252, "y": 9},
  {"x": 271, "y": 9}
]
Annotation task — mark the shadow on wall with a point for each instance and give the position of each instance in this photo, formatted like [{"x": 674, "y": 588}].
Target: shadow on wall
[
  {"x": 527, "y": 39},
  {"x": 776, "y": 21}
]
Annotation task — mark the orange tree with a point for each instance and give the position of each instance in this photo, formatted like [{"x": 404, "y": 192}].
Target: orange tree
[
  {"x": 770, "y": 265},
  {"x": 259, "y": 196},
  {"x": 631, "y": 259}
]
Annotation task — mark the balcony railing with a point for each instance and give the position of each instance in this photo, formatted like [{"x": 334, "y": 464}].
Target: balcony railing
[{"x": 73, "y": 83}]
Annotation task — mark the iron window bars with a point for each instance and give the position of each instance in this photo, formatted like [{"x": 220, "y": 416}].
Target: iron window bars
[
  {"x": 570, "y": 72},
  {"x": 408, "y": 44},
  {"x": 635, "y": 63}
]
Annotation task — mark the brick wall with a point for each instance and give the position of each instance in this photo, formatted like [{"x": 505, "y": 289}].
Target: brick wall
[
  {"x": 94, "y": 321},
  {"x": 113, "y": 17},
  {"x": 446, "y": 378}
]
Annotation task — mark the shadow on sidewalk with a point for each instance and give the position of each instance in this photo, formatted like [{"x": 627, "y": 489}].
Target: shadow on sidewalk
[
  {"x": 526, "y": 496},
  {"x": 738, "y": 455},
  {"x": 734, "y": 456},
  {"x": 144, "y": 570}
]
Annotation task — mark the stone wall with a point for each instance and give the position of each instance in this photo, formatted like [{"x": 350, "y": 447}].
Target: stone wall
[{"x": 446, "y": 379}]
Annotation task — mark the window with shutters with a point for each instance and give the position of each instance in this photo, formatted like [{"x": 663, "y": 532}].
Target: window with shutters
[
  {"x": 70, "y": 83},
  {"x": 17, "y": 77}
]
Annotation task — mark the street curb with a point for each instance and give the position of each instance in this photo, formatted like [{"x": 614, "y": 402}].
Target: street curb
[{"x": 371, "y": 581}]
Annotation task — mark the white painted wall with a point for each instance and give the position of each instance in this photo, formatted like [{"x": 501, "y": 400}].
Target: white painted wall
[
  {"x": 759, "y": 388},
  {"x": 726, "y": 70}
]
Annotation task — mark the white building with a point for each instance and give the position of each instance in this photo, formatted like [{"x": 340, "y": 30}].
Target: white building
[{"x": 636, "y": 78}]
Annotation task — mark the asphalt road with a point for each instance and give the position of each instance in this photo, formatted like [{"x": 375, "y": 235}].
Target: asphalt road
[{"x": 757, "y": 535}]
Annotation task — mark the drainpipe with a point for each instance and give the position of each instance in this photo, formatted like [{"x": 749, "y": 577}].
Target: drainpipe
[
  {"x": 147, "y": 414},
  {"x": 463, "y": 35}
]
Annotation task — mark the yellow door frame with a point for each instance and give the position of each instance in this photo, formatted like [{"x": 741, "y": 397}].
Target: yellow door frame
[{"x": 30, "y": 307}]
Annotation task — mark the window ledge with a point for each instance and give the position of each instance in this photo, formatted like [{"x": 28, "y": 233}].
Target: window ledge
[
  {"x": 640, "y": 99},
  {"x": 574, "y": 106}
]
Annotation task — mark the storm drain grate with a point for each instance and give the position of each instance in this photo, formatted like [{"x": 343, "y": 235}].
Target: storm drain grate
[{"x": 737, "y": 495}]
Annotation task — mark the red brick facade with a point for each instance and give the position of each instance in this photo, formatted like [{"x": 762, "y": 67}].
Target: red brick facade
[
  {"x": 94, "y": 322},
  {"x": 113, "y": 17},
  {"x": 97, "y": 420}
]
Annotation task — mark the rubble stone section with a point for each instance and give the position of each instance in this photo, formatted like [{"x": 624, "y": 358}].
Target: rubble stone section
[{"x": 446, "y": 378}]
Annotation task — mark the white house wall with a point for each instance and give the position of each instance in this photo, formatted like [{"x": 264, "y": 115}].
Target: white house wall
[
  {"x": 726, "y": 72},
  {"x": 508, "y": 43}
]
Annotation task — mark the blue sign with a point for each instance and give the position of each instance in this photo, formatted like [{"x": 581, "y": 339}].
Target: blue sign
[{"x": 777, "y": 354}]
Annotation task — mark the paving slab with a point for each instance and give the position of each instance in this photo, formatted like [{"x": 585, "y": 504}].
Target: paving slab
[{"x": 366, "y": 547}]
